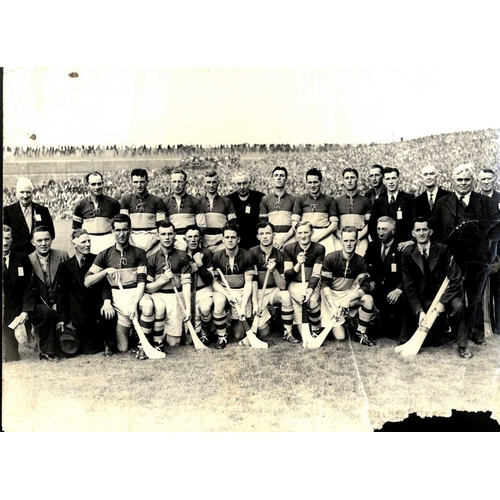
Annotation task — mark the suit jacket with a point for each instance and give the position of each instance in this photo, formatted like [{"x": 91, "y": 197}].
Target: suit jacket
[
  {"x": 471, "y": 241},
  {"x": 13, "y": 217},
  {"x": 18, "y": 293},
  {"x": 43, "y": 294},
  {"x": 75, "y": 302},
  {"x": 381, "y": 272},
  {"x": 404, "y": 205},
  {"x": 421, "y": 206},
  {"x": 420, "y": 289}
]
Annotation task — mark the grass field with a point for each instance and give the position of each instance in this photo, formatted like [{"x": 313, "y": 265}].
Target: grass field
[{"x": 341, "y": 387}]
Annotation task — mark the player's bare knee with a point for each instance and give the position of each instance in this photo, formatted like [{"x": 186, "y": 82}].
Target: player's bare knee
[
  {"x": 264, "y": 331},
  {"x": 285, "y": 298},
  {"x": 172, "y": 341},
  {"x": 367, "y": 301},
  {"x": 339, "y": 332},
  {"x": 146, "y": 305}
]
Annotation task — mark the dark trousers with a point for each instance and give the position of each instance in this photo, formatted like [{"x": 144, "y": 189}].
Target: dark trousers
[
  {"x": 391, "y": 321},
  {"x": 10, "y": 343},
  {"x": 95, "y": 333},
  {"x": 495, "y": 297},
  {"x": 44, "y": 323}
]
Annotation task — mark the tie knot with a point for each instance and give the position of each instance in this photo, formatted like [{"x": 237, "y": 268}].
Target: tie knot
[{"x": 392, "y": 199}]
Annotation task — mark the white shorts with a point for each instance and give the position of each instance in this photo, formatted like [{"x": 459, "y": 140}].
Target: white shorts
[
  {"x": 98, "y": 243},
  {"x": 233, "y": 313},
  {"x": 297, "y": 291},
  {"x": 144, "y": 239},
  {"x": 173, "y": 313},
  {"x": 270, "y": 298},
  {"x": 122, "y": 300},
  {"x": 328, "y": 243},
  {"x": 180, "y": 243}
]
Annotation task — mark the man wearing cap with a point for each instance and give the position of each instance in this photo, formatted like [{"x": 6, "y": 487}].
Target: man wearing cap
[
  {"x": 17, "y": 294},
  {"x": 144, "y": 209},
  {"x": 24, "y": 216},
  {"x": 95, "y": 213},
  {"x": 78, "y": 306},
  {"x": 45, "y": 262}
]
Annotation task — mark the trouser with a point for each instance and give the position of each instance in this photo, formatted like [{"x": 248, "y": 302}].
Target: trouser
[
  {"x": 10, "y": 343},
  {"x": 391, "y": 317},
  {"x": 44, "y": 324},
  {"x": 93, "y": 334}
]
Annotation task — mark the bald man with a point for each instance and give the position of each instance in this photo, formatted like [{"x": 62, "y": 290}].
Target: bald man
[{"x": 24, "y": 216}]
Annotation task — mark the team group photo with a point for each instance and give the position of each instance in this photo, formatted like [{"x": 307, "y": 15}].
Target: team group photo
[{"x": 248, "y": 285}]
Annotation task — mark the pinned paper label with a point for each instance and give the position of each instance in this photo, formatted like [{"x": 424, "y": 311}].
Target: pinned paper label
[
  {"x": 38, "y": 217},
  {"x": 247, "y": 209},
  {"x": 399, "y": 214},
  {"x": 394, "y": 268},
  {"x": 20, "y": 271}
]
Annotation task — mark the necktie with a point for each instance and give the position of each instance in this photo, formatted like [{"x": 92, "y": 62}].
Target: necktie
[
  {"x": 385, "y": 249},
  {"x": 431, "y": 201},
  {"x": 28, "y": 217},
  {"x": 462, "y": 201},
  {"x": 426, "y": 262},
  {"x": 82, "y": 261},
  {"x": 392, "y": 200},
  {"x": 4, "y": 269}
]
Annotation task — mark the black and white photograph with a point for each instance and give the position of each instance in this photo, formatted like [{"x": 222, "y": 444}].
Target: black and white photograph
[{"x": 210, "y": 249}]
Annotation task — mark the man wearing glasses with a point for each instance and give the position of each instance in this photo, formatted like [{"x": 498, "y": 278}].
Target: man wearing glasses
[
  {"x": 145, "y": 210},
  {"x": 238, "y": 267},
  {"x": 126, "y": 264},
  {"x": 467, "y": 222},
  {"x": 277, "y": 208},
  {"x": 95, "y": 212}
]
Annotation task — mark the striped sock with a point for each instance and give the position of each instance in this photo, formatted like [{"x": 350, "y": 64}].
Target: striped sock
[
  {"x": 365, "y": 316},
  {"x": 159, "y": 326},
  {"x": 146, "y": 323},
  {"x": 220, "y": 323},
  {"x": 287, "y": 318},
  {"x": 206, "y": 323},
  {"x": 314, "y": 316}
]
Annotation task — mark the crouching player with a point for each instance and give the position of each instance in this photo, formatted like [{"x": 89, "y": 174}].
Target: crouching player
[
  {"x": 267, "y": 258},
  {"x": 201, "y": 282},
  {"x": 342, "y": 288},
  {"x": 126, "y": 264},
  {"x": 237, "y": 266},
  {"x": 168, "y": 269},
  {"x": 309, "y": 254}
]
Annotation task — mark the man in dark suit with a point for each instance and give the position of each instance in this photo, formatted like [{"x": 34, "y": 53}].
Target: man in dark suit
[
  {"x": 45, "y": 262},
  {"x": 386, "y": 286},
  {"x": 17, "y": 295},
  {"x": 425, "y": 266},
  {"x": 79, "y": 306},
  {"x": 246, "y": 203},
  {"x": 487, "y": 178},
  {"x": 396, "y": 204},
  {"x": 424, "y": 203},
  {"x": 24, "y": 216},
  {"x": 467, "y": 222}
]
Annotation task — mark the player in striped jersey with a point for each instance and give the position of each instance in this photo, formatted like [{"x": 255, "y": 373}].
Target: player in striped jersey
[
  {"x": 341, "y": 270},
  {"x": 182, "y": 209},
  {"x": 219, "y": 211},
  {"x": 354, "y": 210},
  {"x": 317, "y": 208},
  {"x": 311, "y": 254},
  {"x": 277, "y": 208},
  {"x": 237, "y": 265},
  {"x": 125, "y": 264},
  {"x": 145, "y": 210},
  {"x": 168, "y": 268},
  {"x": 268, "y": 258},
  {"x": 95, "y": 212}
]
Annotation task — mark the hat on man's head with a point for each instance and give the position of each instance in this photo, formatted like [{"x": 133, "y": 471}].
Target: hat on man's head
[{"x": 68, "y": 342}]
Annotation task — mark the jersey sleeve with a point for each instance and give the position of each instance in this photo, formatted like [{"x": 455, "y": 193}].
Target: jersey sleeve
[{"x": 77, "y": 216}]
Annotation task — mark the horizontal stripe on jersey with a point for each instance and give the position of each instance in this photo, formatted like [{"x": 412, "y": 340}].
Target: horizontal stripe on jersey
[
  {"x": 131, "y": 264},
  {"x": 356, "y": 220},
  {"x": 278, "y": 211},
  {"x": 260, "y": 260},
  {"x": 187, "y": 213},
  {"x": 143, "y": 212},
  {"x": 217, "y": 215},
  {"x": 96, "y": 219},
  {"x": 319, "y": 212},
  {"x": 315, "y": 255},
  {"x": 243, "y": 266},
  {"x": 356, "y": 204},
  {"x": 177, "y": 260},
  {"x": 339, "y": 274}
]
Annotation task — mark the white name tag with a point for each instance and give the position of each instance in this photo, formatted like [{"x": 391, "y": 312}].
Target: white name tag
[
  {"x": 247, "y": 209},
  {"x": 499, "y": 205},
  {"x": 394, "y": 268},
  {"x": 38, "y": 217},
  {"x": 20, "y": 271},
  {"x": 399, "y": 214}
]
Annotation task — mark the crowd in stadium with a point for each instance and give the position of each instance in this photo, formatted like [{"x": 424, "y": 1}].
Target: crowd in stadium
[{"x": 360, "y": 241}]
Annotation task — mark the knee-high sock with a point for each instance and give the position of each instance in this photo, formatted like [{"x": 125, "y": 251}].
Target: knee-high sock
[
  {"x": 146, "y": 323},
  {"x": 365, "y": 317},
  {"x": 287, "y": 318},
  {"x": 159, "y": 326},
  {"x": 314, "y": 318},
  {"x": 206, "y": 322},
  {"x": 220, "y": 323}
]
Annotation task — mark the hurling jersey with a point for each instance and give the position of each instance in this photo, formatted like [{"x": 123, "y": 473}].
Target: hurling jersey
[
  {"x": 318, "y": 211},
  {"x": 144, "y": 212},
  {"x": 177, "y": 260},
  {"x": 339, "y": 273},
  {"x": 260, "y": 260},
  {"x": 188, "y": 212},
  {"x": 315, "y": 255},
  {"x": 278, "y": 211},
  {"x": 130, "y": 262},
  {"x": 243, "y": 266},
  {"x": 197, "y": 277},
  {"x": 353, "y": 210},
  {"x": 217, "y": 215},
  {"x": 96, "y": 219}
]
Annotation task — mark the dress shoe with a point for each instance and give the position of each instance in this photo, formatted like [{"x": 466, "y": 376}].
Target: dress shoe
[
  {"x": 47, "y": 357},
  {"x": 463, "y": 352},
  {"x": 479, "y": 341}
]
